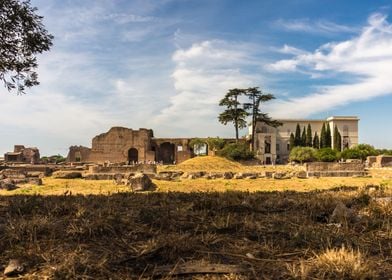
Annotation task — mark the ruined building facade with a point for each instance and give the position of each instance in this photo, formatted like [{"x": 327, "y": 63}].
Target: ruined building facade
[
  {"x": 125, "y": 145},
  {"x": 23, "y": 155},
  {"x": 272, "y": 145}
]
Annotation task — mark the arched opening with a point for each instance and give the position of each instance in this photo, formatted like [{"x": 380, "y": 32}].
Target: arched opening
[
  {"x": 167, "y": 153},
  {"x": 154, "y": 149},
  {"x": 133, "y": 155}
]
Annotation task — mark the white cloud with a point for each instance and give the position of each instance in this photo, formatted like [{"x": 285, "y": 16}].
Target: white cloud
[
  {"x": 287, "y": 49},
  {"x": 367, "y": 58},
  {"x": 203, "y": 74},
  {"x": 316, "y": 27}
]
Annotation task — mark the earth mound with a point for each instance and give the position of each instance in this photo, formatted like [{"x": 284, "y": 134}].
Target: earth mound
[{"x": 209, "y": 163}]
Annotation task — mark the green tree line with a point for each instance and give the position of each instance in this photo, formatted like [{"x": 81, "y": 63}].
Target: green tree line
[{"x": 307, "y": 139}]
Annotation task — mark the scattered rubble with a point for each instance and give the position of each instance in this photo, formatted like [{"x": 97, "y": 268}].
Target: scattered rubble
[
  {"x": 140, "y": 182},
  {"x": 14, "y": 268},
  {"x": 342, "y": 214}
]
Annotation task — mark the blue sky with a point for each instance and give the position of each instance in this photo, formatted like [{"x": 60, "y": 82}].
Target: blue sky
[{"x": 165, "y": 64}]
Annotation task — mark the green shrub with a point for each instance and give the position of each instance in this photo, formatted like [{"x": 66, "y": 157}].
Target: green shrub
[
  {"x": 327, "y": 155},
  {"x": 236, "y": 151},
  {"x": 303, "y": 154},
  {"x": 215, "y": 144},
  {"x": 359, "y": 152}
]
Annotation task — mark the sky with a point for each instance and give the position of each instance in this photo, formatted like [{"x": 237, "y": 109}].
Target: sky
[{"x": 166, "y": 64}]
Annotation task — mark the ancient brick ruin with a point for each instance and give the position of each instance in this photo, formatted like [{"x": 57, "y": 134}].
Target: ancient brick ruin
[
  {"x": 379, "y": 161},
  {"x": 125, "y": 145},
  {"x": 23, "y": 155}
]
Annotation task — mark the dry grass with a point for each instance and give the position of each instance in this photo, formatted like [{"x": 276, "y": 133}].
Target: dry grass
[
  {"x": 127, "y": 235},
  {"x": 70, "y": 186},
  {"x": 336, "y": 263},
  {"x": 385, "y": 173},
  {"x": 84, "y": 187},
  {"x": 274, "y": 229},
  {"x": 265, "y": 184}
]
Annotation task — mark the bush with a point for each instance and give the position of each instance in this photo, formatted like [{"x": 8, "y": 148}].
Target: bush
[
  {"x": 327, "y": 155},
  {"x": 362, "y": 151},
  {"x": 54, "y": 159},
  {"x": 236, "y": 151},
  {"x": 303, "y": 154},
  {"x": 215, "y": 144}
]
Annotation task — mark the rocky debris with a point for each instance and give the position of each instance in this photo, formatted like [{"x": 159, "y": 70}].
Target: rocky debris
[
  {"x": 269, "y": 174},
  {"x": 35, "y": 181},
  {"x": 301, "y": 174},
  {"x": 250, "y": 175},
  {"x": 238, "y": 176},
  {"x": 14, "y": 173},
  {"x": 67, "y": 174},
  {"x": 342, "y": 214},
  {"x": 14, "y": 268},
  {"x": 228, "y": 175},
  {"x": 281, "y": 175},
  {"x": 193, "y": 175},
  {"x": 140, "y": 182},
  {"x": 383, "y": 200},
  {"x": 98, "y": 176},
  {"x": 8, "y": 184},
  {"x": 169, "y": 175},
  {"x": 36, "y": 174},
  {"x": 215, "y": 175},
  {"x": 118, "y": 179}
]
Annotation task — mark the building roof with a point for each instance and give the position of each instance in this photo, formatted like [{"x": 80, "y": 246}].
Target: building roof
[
  {"x": 343, "y": 118},
  {"x": 332, "y": 118}
]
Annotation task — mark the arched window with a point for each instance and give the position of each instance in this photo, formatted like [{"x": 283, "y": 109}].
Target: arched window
[{"x": 264, "y": 129}]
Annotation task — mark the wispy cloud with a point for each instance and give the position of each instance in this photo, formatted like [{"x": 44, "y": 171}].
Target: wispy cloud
[
  {"x": 367, "y": 58},
  {"x": 315, "y": 27}
]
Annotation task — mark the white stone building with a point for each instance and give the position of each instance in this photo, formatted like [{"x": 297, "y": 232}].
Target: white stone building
[{"x": 272, "y": 145}]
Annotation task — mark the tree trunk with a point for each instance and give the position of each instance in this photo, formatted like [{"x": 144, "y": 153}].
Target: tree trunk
[
  {"x": 253, "y": 125},
  {"x": 236, "y": 133},
  {"x": 236, "y": 120}
]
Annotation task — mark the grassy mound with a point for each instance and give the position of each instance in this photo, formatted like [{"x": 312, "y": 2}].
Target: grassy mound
[{"x": 209, "y": 163}]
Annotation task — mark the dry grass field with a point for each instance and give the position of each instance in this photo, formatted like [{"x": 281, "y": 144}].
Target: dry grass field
[
  {"x": 102, "y": 187},
  {"x": 200, "y": 229},
  {"x": 264, "y": 235}
]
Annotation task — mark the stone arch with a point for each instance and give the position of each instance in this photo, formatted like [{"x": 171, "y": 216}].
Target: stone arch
[
  {"x": 133, "y": 155},
  {"x": 167, "y": 153}
]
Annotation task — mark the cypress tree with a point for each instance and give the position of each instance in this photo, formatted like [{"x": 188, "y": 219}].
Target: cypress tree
[
  {"x": 328, "y": 137},
  {"x": 337, "y": 139},
  {"x": 303, "y": 138},
  {"x": 297, "y": 138},
  {"x": 309, "y": 136},
  {"x": 292, "y": 141},
  {"x": 322, "y": 137},
  {"x": 316, "y": 141}
]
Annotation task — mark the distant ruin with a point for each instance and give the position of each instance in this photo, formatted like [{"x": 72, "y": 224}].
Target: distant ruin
[
  {"x": 379, "y": 161},
  {"x": 23, "y": 155}
]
